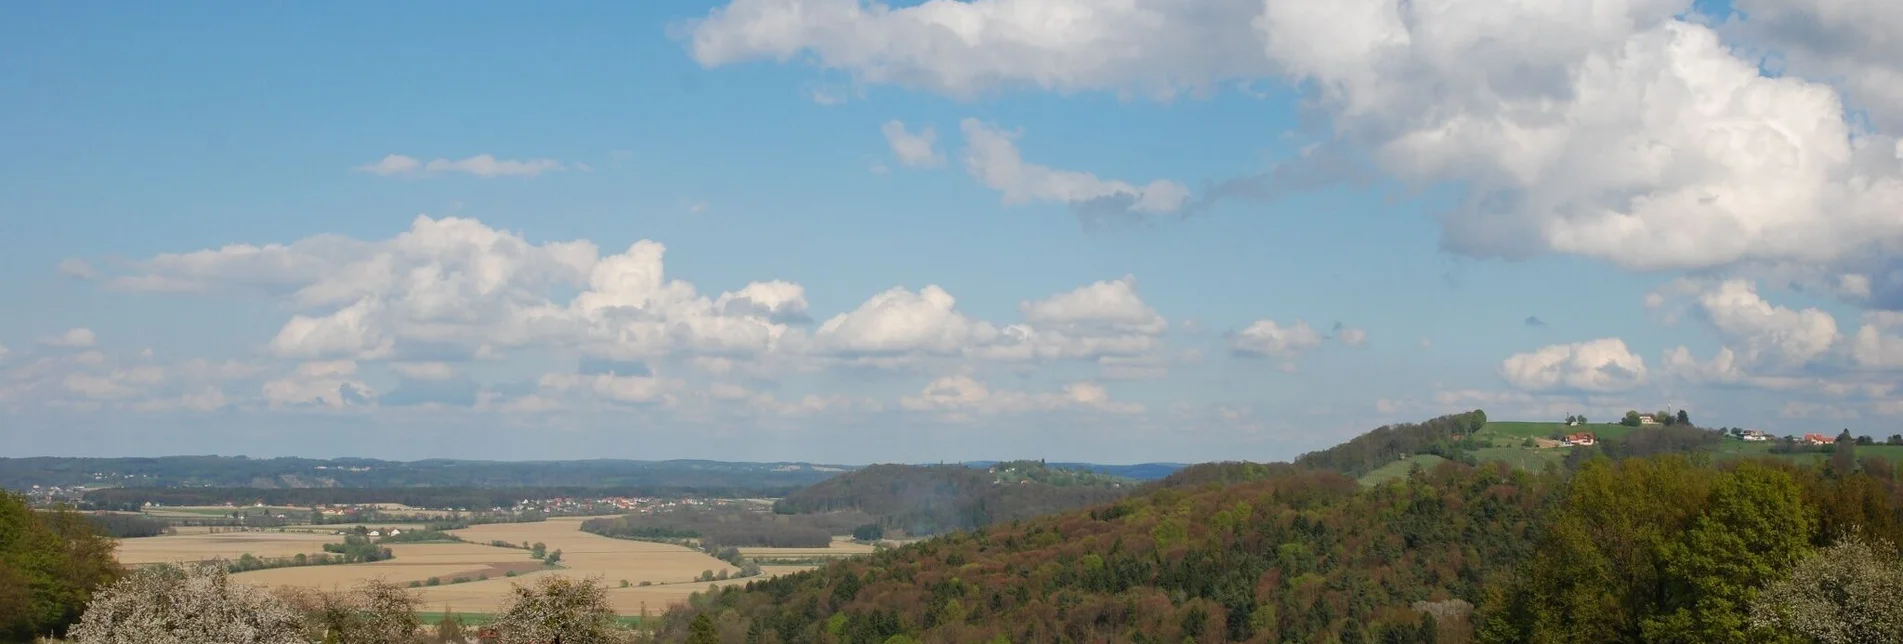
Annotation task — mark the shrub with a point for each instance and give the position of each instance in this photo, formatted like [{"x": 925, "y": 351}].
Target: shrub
[{"x": 433, "y": 581}]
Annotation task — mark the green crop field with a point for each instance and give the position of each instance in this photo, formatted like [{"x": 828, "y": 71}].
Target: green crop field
[
  {"x": 1399, "y": 469},
  {"x": 1529, "y": 459}
]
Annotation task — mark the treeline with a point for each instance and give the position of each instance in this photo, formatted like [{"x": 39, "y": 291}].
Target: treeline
[
  {"x": 715, "y": 528},
  {"x": 239, "y": 471},
  {"x": 1654, "y": 548},
  {"x": 127, "y": 526},
  {"x": 474, "y": 499},
  {"x": 932, "y": 499},
  {"x": 1445, "y": 436}
]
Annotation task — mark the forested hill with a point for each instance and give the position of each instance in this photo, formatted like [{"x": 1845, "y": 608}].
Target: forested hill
[
  {"x": 1383, "y": 445},
  {"x": 930, "y": 499},
  {"x": 1660, "y": 548}
]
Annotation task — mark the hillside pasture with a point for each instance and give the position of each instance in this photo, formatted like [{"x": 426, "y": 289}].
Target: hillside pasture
[
  {"x": 1399, "y": 469},
  {"x": 840, "y": 547}
]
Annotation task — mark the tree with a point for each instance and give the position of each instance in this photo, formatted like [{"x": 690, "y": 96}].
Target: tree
[
  {"x": 1665, "y": 417},
  {"x": 1571, "y": 419},
  {"x": 702, "y": 631},
  {"x": 1851, "y": 591},
  {"x": 1895, "y": 439},
  {"x": 1631, "y": 419},
  {"x": 1754, "y": 527},
  {"x": 539, "y": 550},
  {"x": 1582, "y": 419},
  {"x": 1866, "y": 440},
  {"x": 1843, "y": 457},
  {"x": 51, "y": 563},
  {"x": 1684, "y": 418},
  {"x": 554, "y": 557},
  {"x": 189, "y": 605},
  {"x": 557, "y": 609},
  {"x": 450, "y": 630}
]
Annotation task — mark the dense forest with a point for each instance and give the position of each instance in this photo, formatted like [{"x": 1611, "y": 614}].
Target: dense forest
[
  {"x": 240, "y": 471},
  {"x": 1629, "y": 545},
  {"x": 930, "y": 499},
  {"x": 470, "y": 498},
  {"x": 727, "y": 527}
]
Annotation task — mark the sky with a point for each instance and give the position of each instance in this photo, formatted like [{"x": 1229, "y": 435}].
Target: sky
[{"x": 851, "y": 232}]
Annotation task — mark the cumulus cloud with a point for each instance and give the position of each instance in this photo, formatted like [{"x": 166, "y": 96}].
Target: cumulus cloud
[
  {"x": 900, "y": 321},
  {"x": 1878, "y": 344},
  {"x": 991, "y": 156},
  {"x": 1763, "y": 330},
  {"x": 74, "y": 338},
  {"x": 1349, "y": 335},
  {"x": 1266, "y": 338},
  {"x": 643, "y": 388},
  {"x": 917, "y": 150},
  {"x": 964, "y": 397},
  {"x": 964, "y": 49},
  {"x": 481, "y": 165},
  {"x": 1627, "y": 131},
  {"x": 331, "y": 384},
  {"x": 1603, "y": 365}
]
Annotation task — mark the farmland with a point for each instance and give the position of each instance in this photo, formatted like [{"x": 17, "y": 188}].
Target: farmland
[{"x": 475, "y": 577}]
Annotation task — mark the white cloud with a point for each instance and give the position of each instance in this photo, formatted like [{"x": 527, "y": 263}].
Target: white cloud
[
  {"x": 76, "y": 267},
  {"x": 913, "y": 150},
  {"x": 1621, "y": 130},
  {"x": 1879, "y": 344},
  {"x": 350, "y": 332},
  {"x": 1266, "y": 338},
  {"x": 424, "y": 370},
  {"x": 901, "y": 321},
  {"x": 613, "y": 387},
  {"x": 963, "y": 397},
  {"x": 3, "y": 352},
  {"x": 1603, "y": 365},
  {"x": 992, "y": 158},
  {"x": 325, "y": 384},
  {"x": 1789, "y": 336},
  {"x": 1159, "y": 47},
  {"x": 74, "y": 338},
  {"x": 1851, "y": 42},
  {"x": 1107, "y": 304},
  {"x": 1352, "y": 336},
  {"x": 481, "y": 165},
  {"x": 1615, "y": 131}
]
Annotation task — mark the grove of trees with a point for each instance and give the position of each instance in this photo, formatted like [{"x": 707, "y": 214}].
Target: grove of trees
[{"x": 51, "y": 564}]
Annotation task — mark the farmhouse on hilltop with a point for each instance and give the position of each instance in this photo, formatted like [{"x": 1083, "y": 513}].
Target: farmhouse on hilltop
[
  {"x": 1818, "y": 439},
  {"x": 1582, "y": 439},
  {"x": 1755, "y": 435},
  {"x": 1648, "y": 419}
]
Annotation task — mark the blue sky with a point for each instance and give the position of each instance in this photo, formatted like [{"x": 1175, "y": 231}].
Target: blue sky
[{"x": 406, "y": 231}]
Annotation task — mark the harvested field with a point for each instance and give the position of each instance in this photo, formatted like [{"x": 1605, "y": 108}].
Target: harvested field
[
  {"x": 412, "y": 562},
  {"x": 229, "y": 545},
  {"x": 670, "y": 570},
  {"x": 841, "y": 547}
]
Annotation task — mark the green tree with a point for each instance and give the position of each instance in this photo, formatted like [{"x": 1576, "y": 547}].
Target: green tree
[
  {"x": 702, "y": 631},
  {"x": 51, "y": 563},
  {"x": 1684, "y": 418},
  {"x": 1631, "y": 419},
  {"x": 1754, "y": 527},
  {"x": 1851, "y": 591},
  {"x": 553, "y": 557}
]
